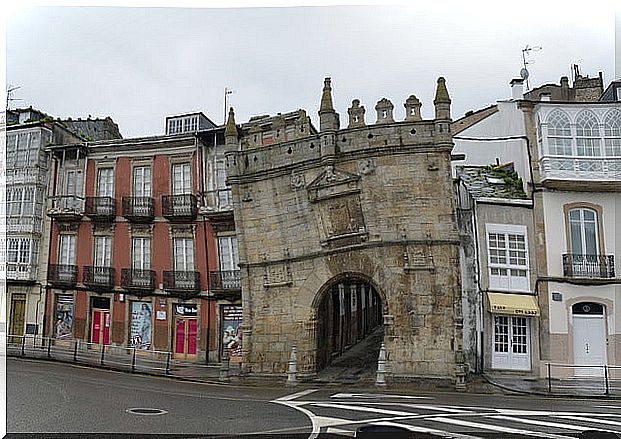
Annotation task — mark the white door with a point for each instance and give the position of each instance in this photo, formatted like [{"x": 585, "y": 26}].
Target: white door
[
  {"x": 589, "y": 344},
  {"x": 511, "y": 344}
]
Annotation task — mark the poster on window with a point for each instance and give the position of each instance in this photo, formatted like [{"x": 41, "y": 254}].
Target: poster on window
[
  {"x": 232, "y": 329},
  {"x": 64, "y": 317},
  {"x": 140, "y": 337}
]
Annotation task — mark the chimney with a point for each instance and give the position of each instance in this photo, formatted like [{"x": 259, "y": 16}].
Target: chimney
[{"x": 517, "y": 88}]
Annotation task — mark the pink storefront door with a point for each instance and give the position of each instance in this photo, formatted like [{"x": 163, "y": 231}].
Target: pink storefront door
[{"x": 185, "y": 338}]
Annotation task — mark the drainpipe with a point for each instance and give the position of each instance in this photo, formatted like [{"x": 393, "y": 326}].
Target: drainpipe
[{"x": 203, "y": 196}]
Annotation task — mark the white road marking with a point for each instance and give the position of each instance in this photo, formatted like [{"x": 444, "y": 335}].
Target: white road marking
[
  {"x": 376, "y": 395},
  {"x": 597, "y": 421},
  {"x": 296, "y": 395},
  {"x": 363, "y": 409},
  {"x": 608, "y": 406},
  {"x": 441, "y": 433},
  {"x": 341, "y": 432},
  {"x": 542, "y": 423},
  {"x": 478, "y": 425}
]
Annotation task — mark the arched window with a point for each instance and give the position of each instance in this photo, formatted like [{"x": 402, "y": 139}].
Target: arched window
[
  {"x": 587, "y": 135},
  {"x": 583, "y": 231},
  {"x": 612, "y": 133},
  {"x": 559, "y": 134}
]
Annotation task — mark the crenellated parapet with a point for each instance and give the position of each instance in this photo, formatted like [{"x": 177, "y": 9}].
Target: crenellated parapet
[{"x": 279, "y": 143}]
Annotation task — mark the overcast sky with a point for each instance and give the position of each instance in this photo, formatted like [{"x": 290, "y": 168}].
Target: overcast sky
[{"x": 139, "y": 65}]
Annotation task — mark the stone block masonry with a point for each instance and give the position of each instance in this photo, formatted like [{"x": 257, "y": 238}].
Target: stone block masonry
[{"x": 371, "y": 204}]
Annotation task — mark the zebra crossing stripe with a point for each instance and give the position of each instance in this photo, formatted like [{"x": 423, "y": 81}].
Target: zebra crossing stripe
[
  {"x": 542, "y": 423},
  {"x": 340, "y": 432},
  {"x": 594, "y": 420},
  {"x": 363, "y": 409},
  {"x": 441, "y": 433},
  {"x": 296, "y": 395},
  {"x": 478, "y": 425}
]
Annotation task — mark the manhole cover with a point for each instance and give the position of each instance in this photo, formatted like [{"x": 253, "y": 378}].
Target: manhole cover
[{"x": 146, "y": 411}]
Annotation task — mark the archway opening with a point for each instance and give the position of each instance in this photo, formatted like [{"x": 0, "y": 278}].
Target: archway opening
[{"x": 350, "y": 326}]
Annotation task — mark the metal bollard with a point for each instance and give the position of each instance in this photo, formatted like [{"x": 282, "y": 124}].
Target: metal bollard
[
  {"x": 49, "y": 348},
  {"x": 380, "y": 380},
  {"x": 103, "y": 351},
  {"x": 75, "y": 350},
  {"x": 606, "y": 379},
  {"x": 293, "y": 368},
  {"x": 224, "y": 367},
  {"x": 549, "y": 379},
  {"x": 134, "y": 360},
  {"x": 168, "y": 364},
  {"x": 23, "y": 344}
]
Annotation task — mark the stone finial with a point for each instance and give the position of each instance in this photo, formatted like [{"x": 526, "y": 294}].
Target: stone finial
[
  {"x": 442, "y": 95},
  {"x": 326, "y": 97},
  {"x": 412, "y": 109},
  {"x": 442, "y": 100},
  {"x": 328, "y": 118},
  {"x": 384, "y": 111},
  {"x": 231, "y": 128},
  {"x": 356, "y": 114}
]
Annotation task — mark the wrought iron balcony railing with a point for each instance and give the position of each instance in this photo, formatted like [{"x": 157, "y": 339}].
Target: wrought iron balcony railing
[
  {"x": 593, "y": 266},
  {"x": 139, "y": 209},
  {"x": 66, "y": 207},
  {"x": 138, "y": 280},
  {"x": 177, "y": 207},
  {"x": 99, "y": 277},
  {"x": 62, "y": 275},
  {"x": 225, "y": 280},
  {"x": 101, "y": 208},
  {"x": 187, "y": 283}
]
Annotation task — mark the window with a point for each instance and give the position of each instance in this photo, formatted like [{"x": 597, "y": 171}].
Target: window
[
  {"x": 583, "y": 231},
  {"x": 228, "y": 251},
  {"x": 20, "y": 201},
  {"x": 105, "y": 182},
  {"x": 508, "y": 257},
  {"x": 587, "y": 135},
  {"x": 182, "y": 179},
  {"x": 612, "y": 133},
  {"x": 21, "y": 253},
  {"x": 183, "y": 254},
  {"x": 66, "y": 254},
  {"x": 559, "y": 134},
  {"x": 510, "y": 334},
  {"x": 142, "y": 181},
  {"x": 141, "y": 253},
  {"x": 224, "y": 192},
  {"x": 103, "y": 251}
]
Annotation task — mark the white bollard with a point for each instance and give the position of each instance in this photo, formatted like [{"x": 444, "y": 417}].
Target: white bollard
[
  {"x": 293, "y": 368},
  {"x": 380, "y": 380}
]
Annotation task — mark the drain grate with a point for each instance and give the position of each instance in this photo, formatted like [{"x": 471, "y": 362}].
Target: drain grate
[{"x": 146, "y": 411}]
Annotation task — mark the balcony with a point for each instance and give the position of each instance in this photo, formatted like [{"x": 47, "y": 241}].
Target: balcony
[
  {"x": 66, "y": 208},
  {"x": 138, "y": 282},
  {"x": 100, "y": 208},
  {"x": 218, "y": 208},
  {"x": 179, "y": 207},
  {"x": 138, "y": 209},
  {"x": 21, "y": 272},
  {"x": 595, "y": 169},
  {"x": 62, "y": 276},
  {"x": 186, "y": 284},
  {"x": 99, "y": 278},
  {"x": 226, "y": 282},
  {"x": 589, "y": 266}
]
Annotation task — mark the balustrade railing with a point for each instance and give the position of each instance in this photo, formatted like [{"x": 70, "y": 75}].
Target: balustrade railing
[{"x": 592, "y": 266}]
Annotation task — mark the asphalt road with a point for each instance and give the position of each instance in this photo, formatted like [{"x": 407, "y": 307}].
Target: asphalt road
[{"x": 54, "y": 397}]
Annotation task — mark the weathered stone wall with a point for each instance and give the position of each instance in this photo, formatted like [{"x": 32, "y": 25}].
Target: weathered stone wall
[{"x": 374, "y": 203}]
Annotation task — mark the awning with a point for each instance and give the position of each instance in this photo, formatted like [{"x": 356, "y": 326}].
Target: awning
[{"x": 513, "y": 304}]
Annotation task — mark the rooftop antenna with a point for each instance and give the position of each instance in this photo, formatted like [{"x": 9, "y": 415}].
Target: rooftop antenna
[
  {"x": 9, "y": 91},
  {"x": 227, "y": 92},
  {"x": 524, "y": 72}
]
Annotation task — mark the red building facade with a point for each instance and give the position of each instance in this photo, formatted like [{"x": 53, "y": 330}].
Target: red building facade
[{"x": 131, "y": 255}]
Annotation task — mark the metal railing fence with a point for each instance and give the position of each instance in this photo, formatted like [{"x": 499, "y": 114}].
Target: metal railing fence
[{"x": 603, "y": 379}]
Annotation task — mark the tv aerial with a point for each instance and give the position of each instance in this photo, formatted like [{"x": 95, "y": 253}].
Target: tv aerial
[{"x": 524, "y": 73}]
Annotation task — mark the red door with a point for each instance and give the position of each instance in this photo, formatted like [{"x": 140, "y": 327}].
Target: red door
[
  {"x": 100, "y": 326},
  {"x": 185, "y": 338}
]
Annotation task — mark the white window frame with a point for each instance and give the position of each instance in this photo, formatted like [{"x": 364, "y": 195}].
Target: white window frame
[
  {"x": 515, "y": 342},
  {"x": 141, "y": 181},
  {"x": 102, "y": 255},
  {"x": 67, "y": 249},
  {"x": 105, "y": 182},
  {"x": 510, "y": 281},
  {"x": 181, "y": 178},
  {"x": 141, "y": 253},
  {"x": 582, "y": 221},
  {"x": 183, "y": 254},
  {"x": 228, "y": 253}
]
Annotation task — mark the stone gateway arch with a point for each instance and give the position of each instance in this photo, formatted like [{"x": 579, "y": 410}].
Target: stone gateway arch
[{"x": 368, "y": 207}]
